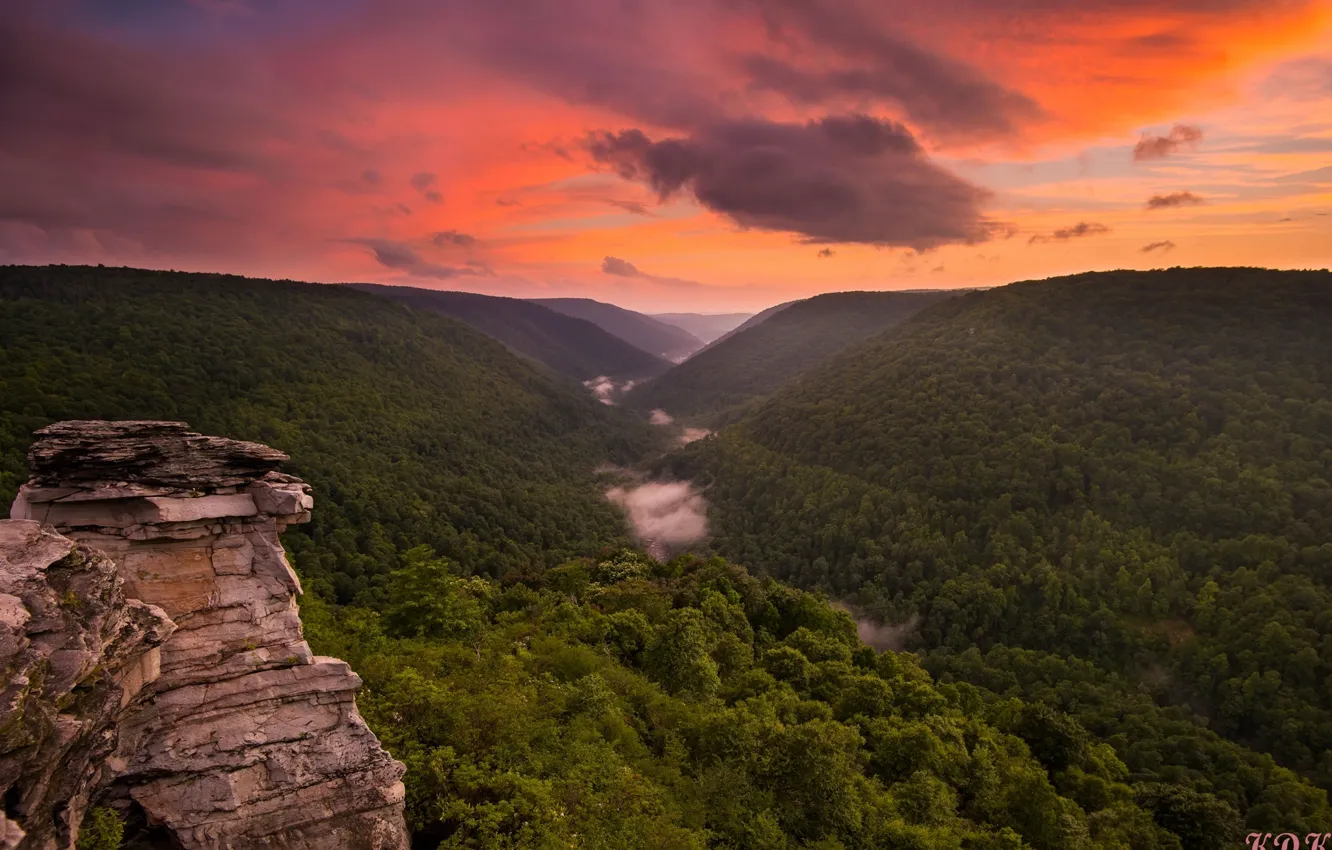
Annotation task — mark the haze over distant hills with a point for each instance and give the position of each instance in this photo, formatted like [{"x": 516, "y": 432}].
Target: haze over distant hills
[
  {"x": 569, "y": 345},
  {"x": 651, "y": 335},
  {"x": 705, "y": 326},
  {"x": 775, "y": 348},
  {"x": 756, "y": 319}
]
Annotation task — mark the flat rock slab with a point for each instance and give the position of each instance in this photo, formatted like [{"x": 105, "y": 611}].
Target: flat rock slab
[{"x": 144, "y": 452}]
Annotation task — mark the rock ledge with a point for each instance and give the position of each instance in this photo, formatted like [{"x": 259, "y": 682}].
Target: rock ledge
[{"x": 243, "y": 739}]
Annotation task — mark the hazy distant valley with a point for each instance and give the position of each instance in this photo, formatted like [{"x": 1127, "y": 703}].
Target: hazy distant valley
[{"x": 1082, "y": 525}]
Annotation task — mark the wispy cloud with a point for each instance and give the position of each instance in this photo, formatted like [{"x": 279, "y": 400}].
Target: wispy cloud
[
  {"x": 400, "y": 256},
  {"x": 1163, "y": 246},
  {"x": 1174, "y": 199},
  {"x": 1077, "y": 231},
  {"x": 1159, "y": 147}
]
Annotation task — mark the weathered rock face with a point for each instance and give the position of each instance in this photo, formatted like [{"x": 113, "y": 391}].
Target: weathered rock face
[
  {"x": 75, "y": 655},
  {"x": 245, "y": 739}
]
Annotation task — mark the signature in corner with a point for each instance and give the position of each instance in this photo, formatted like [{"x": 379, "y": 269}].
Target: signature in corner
[{"x": 1287, "y": 841}]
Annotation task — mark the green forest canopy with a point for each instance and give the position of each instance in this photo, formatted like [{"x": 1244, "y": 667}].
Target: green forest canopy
[
  {"x": 570, "y": 346},
  {"x": 413, "y": 428},
  {"x": 758, "y": 360},
  {"x": 1005, "y": 476},
  {"x": 1108, "y": 492},
  {"x": 614, "y": 702}
]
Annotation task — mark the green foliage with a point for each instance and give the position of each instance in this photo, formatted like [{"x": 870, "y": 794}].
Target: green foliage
[
  {"x": 758, "y": 360},
  {"x": 623, "y": 703},
  {"x": 570, "y": 346},
  {"x": 102, "y": 829},
  {"x": 412, "y": 428},
  {"x": 1110, "y": 493}
]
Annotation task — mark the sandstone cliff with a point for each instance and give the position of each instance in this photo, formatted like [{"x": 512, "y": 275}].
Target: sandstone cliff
[
  {"x": 75, "y": 655},
  {"x": 243, "y": 739}
]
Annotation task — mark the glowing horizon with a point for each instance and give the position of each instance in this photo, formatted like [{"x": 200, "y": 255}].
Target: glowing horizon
[{"x": 668, "y": 155}]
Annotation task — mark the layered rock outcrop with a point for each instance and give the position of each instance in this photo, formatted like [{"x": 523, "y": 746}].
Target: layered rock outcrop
[
  {"x": 75, "y": 655},
  {"x": 244, "y": 739}
]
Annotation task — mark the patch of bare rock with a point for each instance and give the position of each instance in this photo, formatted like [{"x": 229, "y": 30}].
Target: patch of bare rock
[{"x": 154, "y": 658}]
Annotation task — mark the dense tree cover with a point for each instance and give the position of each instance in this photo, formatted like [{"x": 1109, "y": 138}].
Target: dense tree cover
[
  {"x": 413, "y": 428},
  {"x": 573, "y": 347},
  {"x": 615, "y": 702},
  {"x": 754, "y": 320},
  {"x": 1108, "y": 492},
  {"x": 652, "y": 335},
  {"x": 757, "y": 361}
]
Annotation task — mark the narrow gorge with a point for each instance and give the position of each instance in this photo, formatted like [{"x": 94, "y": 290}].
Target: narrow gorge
[{"x": 155, "y": 660}]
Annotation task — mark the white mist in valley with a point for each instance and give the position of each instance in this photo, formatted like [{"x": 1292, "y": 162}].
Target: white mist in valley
[
  {"x": 664, "y": 517},
  {"x": 686, "y": 434},
  {"x": 883, "y": 636},
  {"x": 606, "y": 389}
]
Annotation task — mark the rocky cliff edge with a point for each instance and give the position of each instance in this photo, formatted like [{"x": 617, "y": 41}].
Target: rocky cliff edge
[{"x": 154, "y": 655}]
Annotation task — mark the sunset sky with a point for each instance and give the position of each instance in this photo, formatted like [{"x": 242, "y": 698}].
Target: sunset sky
[{"x": 685, "y": 155}]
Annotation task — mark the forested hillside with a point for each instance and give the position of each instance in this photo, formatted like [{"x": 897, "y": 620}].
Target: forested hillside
[
  {"x": 1109, "y": 492},
  {"x": 652, "y": 335},
  {"x": 617, "y": 703},
  {"x": 570, "y": 346},
  {"x": 755, "y": 362},
  {"x": 1099, "y": 507},
  {"x": 705, "y": 326},
  {"x": 754, "y": 320},
  {"x": 412, "y": 427}
]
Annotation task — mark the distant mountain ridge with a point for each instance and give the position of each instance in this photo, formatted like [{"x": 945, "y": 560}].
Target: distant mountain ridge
[
  {"x": 754, "y": 320},
  {"x": 791, "y": 340},
  {"x": 569, "y": 345},
  {"x": 706, "y": 326},
  {"x": 651, "y": 335}
]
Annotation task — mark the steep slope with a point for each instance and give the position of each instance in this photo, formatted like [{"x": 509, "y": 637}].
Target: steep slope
[
  {"x": 243, "y": 738},
  {"x": 570, "y": 346},
  {"x": 649, "y": 334},
  {"x": 414, "y": 427},
  {"x": 754, "y": 320},
  {"x": 705, "y": 326},
  {"x": 1110, "y": 492},
  {"x": 757, "y": 361}
]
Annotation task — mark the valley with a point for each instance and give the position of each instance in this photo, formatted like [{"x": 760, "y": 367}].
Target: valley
[{"x": 1082, "y": 522}]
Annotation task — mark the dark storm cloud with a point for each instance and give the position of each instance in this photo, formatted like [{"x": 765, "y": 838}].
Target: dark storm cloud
[
  {"x": 620, "y": 268},
  {"x": 1159, "y": 147},
  {"x": 857, "y": 54},
  {"x": 402, "y": 257},
  {"x": 1077, "y": 231},
  {"x": 155, "y": 150},
  {"x": 643, "y": 60},
  {"x": 78, "y": 95},
  {"x": 839, "y": 179},
  {"x": 1163, "y": 246},
  {"x": 1174, "y": 199}
]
